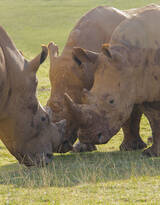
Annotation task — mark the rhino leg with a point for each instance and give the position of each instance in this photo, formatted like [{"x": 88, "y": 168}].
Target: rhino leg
[
  {"x": 80, "y": 147},
  {"x": 152, "y": 112},
  {"x": 132, "y": 139}
]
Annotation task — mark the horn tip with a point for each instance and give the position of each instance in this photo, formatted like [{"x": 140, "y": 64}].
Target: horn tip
[
  {"x": 67, "y": 96},
  {"x": 53, "y": 48}
]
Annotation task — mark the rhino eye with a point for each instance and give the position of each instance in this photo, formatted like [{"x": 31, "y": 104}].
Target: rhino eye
[
  {"x": 77, "y": 60},
  {"x": 43, "y": 119},
  {"x": 111, "y": 101}
]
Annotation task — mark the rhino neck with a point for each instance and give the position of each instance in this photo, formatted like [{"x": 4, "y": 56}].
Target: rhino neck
[
  {"x": 7, "y": 134},
  {"x": 5, "y": 94},
  {"x": 8, "y": 119}
]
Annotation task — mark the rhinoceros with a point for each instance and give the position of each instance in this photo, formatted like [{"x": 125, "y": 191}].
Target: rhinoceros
[
  {"x": 91, "y": 31},
  {"x": 25, "y": 127},
  {"x": 127, "y": 73}
]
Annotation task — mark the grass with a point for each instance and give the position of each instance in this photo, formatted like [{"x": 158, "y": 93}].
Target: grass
[{"x": 106, "y": 176}]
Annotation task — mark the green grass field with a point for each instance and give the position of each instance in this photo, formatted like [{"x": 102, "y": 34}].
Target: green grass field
[{"x": 106, "y": 176}]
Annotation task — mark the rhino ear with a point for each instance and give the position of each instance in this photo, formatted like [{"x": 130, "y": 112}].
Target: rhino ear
[
  {"x": 81, "y": 55},
  {"x": 106, "y": 51},
  {"x": 53, "y": 52},
  {"x": 113, "y": 54},
  {"x": 35, "y": 63}
]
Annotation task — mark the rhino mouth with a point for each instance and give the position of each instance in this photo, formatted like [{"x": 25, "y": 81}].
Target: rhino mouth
[
  {"x": 65, "y": 147},
  {"x": 37, "y": 159},
  {"x": 96, "y": 136}
]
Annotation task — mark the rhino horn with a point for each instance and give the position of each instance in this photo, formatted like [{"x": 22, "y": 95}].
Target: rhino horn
[
  {"x": 53, "y": 52},
  {"x": 73, "y": 107},
  {"x": 76, "y": 111},
  {"x": 11, "y": 53},
  {"x": 39, "y": 59}
]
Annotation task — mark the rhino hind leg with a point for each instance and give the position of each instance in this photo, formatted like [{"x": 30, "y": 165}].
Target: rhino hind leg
[
  {"x": 132, "y": 139},
  {"x": 80, "y": 147},
  {"x": 152, "y": 112}
]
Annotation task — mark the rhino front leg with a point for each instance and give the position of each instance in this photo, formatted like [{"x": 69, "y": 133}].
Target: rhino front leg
[
  {"x": 132, "y": 139},
  {"x": 152, "y": 112}
]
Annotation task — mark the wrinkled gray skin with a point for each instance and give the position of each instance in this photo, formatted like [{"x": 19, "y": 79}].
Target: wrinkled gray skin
[
  {"x": 68, "y": 74},
  {"x": 25, "y": 127},
  {"x": 127, "y": 73}
]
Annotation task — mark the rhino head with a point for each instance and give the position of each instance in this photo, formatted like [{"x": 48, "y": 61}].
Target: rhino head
[
  {"x": 110, "y": 101},
  {"x": 25, "y": 127},
  {"x": 65, "y": 76}
]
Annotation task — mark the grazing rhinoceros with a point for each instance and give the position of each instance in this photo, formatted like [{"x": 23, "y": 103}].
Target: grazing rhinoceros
[
  {"x": 92, "y": 30},
  {"x": 127, "y": 73},
  {"x": 25, "y": 127}
]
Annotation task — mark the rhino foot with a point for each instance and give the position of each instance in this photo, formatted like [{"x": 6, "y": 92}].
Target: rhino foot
[
  {"x": 150, "y": 152},
  {"x": 134, "y": 144},
  {"x": 80, "y": 147}
]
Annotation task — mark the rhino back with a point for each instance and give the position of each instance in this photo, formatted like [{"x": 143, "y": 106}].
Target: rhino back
[
  {"x": 141, "y": 30},
  {"x": 95, "y": 28}
]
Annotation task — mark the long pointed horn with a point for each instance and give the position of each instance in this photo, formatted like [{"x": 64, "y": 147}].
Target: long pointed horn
[
  {"x": 39, "y": 59},
  {"x": 11, "y": 53},
  {"x": 53, "y": 52},
  {"x": 73, "y": 108},
  {"x": 76, "y": 110}
]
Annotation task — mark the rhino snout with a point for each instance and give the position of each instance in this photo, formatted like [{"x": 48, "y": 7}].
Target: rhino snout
[
  {"x": 102, "y": 139},
  {"x": 38, "y": 159},
  {"x": 66, "y": 146}
]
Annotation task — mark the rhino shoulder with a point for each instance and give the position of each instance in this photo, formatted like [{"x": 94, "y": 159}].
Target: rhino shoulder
[{"x": 135, "y": 11}]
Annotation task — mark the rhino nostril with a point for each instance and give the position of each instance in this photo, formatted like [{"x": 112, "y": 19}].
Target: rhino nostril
[
  {"x": 99, "y": 135},
  {"x": 50, "y": 156}
]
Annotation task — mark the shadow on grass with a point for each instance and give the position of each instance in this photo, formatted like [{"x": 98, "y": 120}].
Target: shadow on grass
[{"x": 73, "y": 169}]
